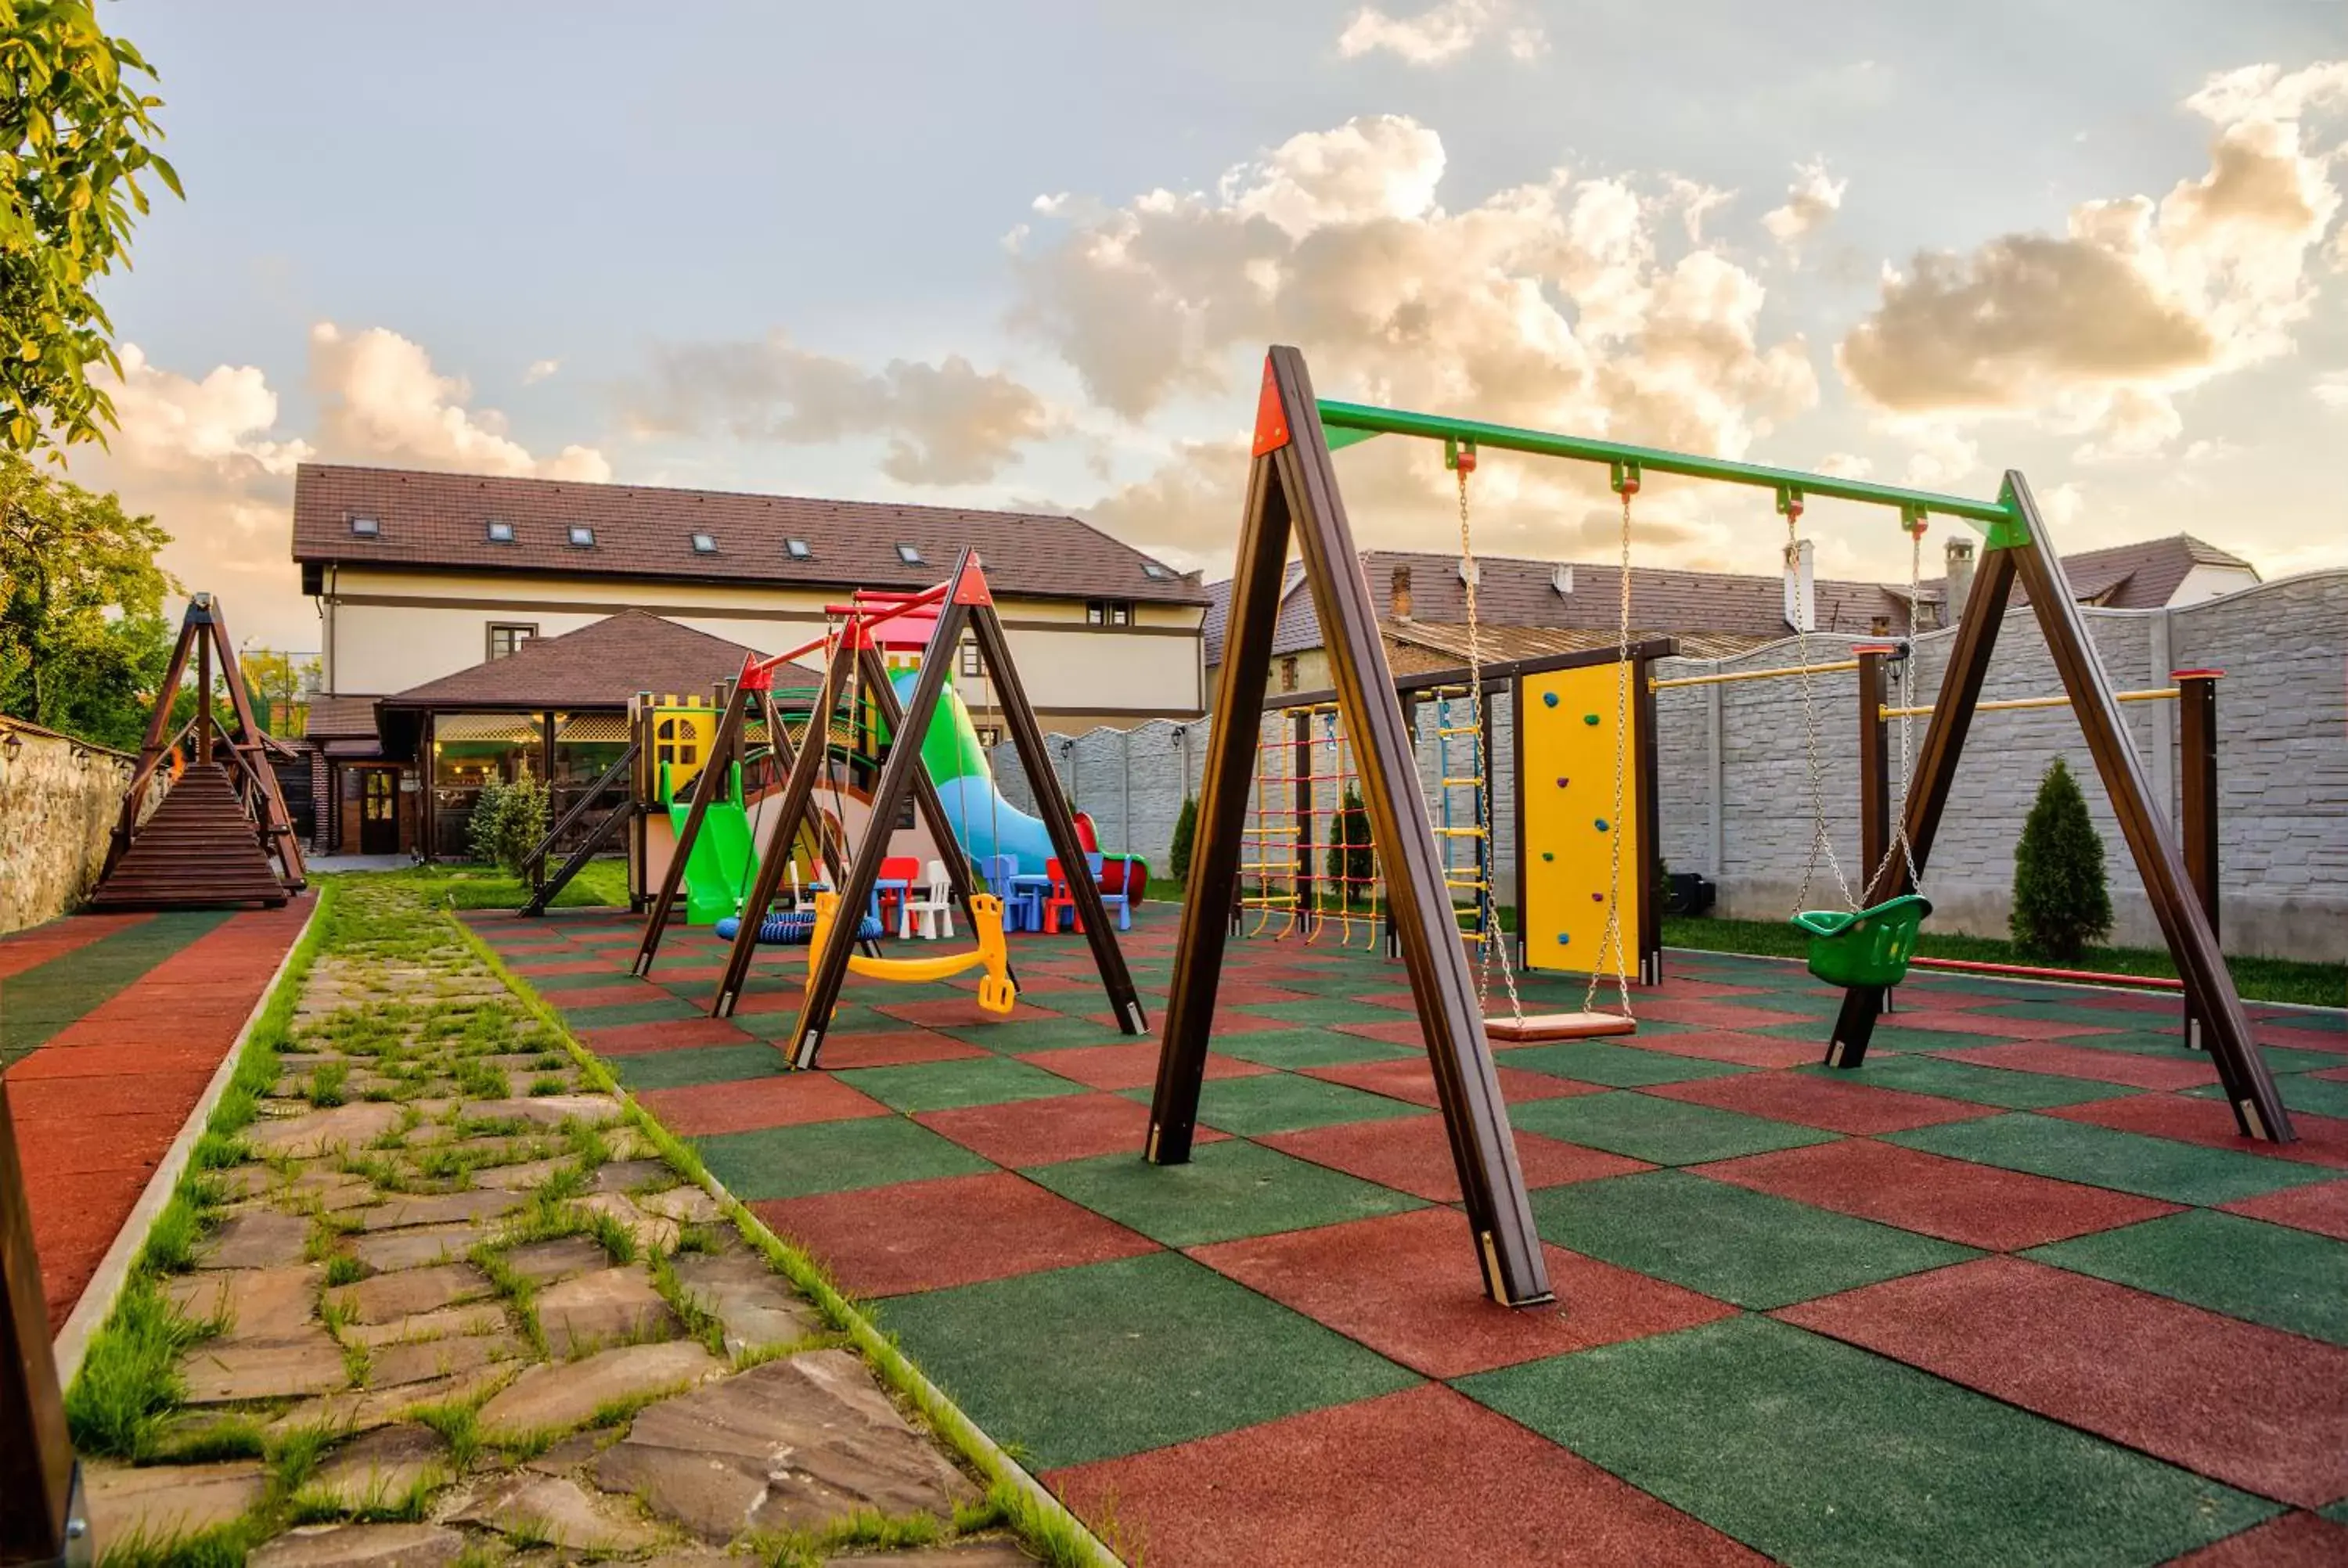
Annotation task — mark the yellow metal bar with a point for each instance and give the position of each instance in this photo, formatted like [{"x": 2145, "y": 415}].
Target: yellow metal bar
[
  {"x": 1459, "y": 833},
  {"x": 2010, "y": 705},
  {"x": 1730, "y": 678}
]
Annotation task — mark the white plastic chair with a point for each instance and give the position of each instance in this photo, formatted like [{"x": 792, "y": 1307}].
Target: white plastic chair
[{"x": 932, "y": 910}]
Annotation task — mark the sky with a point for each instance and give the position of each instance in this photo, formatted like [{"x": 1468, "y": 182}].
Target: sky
[{"x": 1029, "y": 255}]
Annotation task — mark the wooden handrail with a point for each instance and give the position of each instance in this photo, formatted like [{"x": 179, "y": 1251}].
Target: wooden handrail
[{"x": 570, "y": 819}]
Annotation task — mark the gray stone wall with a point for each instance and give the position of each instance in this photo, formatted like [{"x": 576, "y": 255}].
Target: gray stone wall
[
  {"x": 1739, "y": 794},
  {"x": 59, "y": 801}
]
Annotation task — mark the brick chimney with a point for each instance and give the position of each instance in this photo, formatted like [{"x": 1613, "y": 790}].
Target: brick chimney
[
  {"x": 1399, "y": 593},
  {"x": 1959, "y": 558}
]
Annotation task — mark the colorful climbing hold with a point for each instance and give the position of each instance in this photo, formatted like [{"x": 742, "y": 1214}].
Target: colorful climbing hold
[
  {"x": 1602, "y": 825},
  {"x": 1548, "y": 699},
  {"x": 1548, "y": 854},
  {"x": 1598, "y": 897},
  {"x": 1562, "y": 781},
  {"x": 1565, "y": 939},
  {"x": 1590, "y": 718}
]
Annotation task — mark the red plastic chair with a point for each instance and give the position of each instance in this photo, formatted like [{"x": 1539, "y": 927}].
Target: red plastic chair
[
  {"x": 905, "y": 869},
  {"x": 1057, "y": 899}
]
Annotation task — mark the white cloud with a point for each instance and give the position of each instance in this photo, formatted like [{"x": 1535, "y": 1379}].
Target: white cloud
[
  {"x": 383, "y": 400},
  {"x": 168, "y": 423},
  {"x": 1844, "y": 465},
  {"x": 1811, "y": 202},
  {"x": 1441, "y": 34},
  {"x": 2137, "y": 301},
  {"x": 2331, "y": 390},
  {"x": 946, "y": 424},
  {"x": 539, "y": 369},
  {"x": 1569, "y": 304}
]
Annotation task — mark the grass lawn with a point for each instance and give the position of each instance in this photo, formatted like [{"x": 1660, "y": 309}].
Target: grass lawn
[
  {"x": 2259, "y": 979},
  {"x": 601, "y": 884}
]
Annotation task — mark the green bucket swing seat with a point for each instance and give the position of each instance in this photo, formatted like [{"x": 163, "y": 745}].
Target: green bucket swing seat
[{"x": 1870, "y": 948}]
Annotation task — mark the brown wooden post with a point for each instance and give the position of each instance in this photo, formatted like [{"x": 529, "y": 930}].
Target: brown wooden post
[
  {"x": 1304, "y": 895},
  {"x": 41, "y": 1516},
  {"x": 2196, "y": 736},
  {"x": 723, "y": 747},
  {"x": 1292, "y": 491},
  {"x": 428, "y": 763},
  {"x": 203, "y": 692}
]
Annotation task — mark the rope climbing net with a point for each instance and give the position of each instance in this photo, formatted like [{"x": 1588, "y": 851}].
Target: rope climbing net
[{"x": 1308, "y": 865}]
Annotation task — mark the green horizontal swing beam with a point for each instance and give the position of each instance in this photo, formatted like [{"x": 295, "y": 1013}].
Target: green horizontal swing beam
[{"x": 1349, "y": 423}]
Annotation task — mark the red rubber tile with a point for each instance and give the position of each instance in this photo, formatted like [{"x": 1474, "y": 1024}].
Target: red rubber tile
[
  {"x": 1993, "y": 1028},
  {"x": 536, "y": 968},
  {"x": 1423, "y": 1477},
  {"x": 747, "y": 1106},
  {"x": 957, "y": 1012},
  {"x": 1126, "y": 1066},
  {"x": 1699, "y": 991},
  {"x": 2253, "y": 1406},
  {"x": 2337, "y": 1074},
  {"x": 1232, "y": 1020},
  {"x": 1413, "y": 1154},
  {"x": 1046, "y": 1132},
  {"x": 2085, "y": 1061},
  {"x": 24, "y": 950},
  {"x": 956, "y": 1230},
  {"x": 2293, "y": 1540},
  {"x": 2189, "y": 1119},
  {"x": 1836, "y": 1106},
  {"x": 1976, "y": 1205},
  {"x": 894, "y": 1048},
  {"x": 1255, "y": 994},
  {"x": 2301, "y": 1038},
  {"x": 53, "y": 1151},
  {"x": 2322, "y": 1209},
  {"x": 621, "y": 992},
  {"x": 1412, "y": 1079},
  {"x": 1728, "y": 1045},
  {"x": 668, "y": 1034},
  {"x": 1716, "y": 1015},
  {"x": 1401, "y": 1031}
]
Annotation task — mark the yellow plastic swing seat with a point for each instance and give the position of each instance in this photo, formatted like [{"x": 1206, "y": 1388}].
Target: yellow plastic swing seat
[{"x": 996, "y": 993}]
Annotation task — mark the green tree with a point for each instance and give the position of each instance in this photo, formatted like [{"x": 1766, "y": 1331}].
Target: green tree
[
  {"x": 1351, "y": 860},
  {"x": 83, "y": 643},
  {"x": 77, "y": 132},
  {"x": 277, "y": 683},
  {"x": 508, "y": 822},
  {"x": 2061, "y": 901},
  {"x": 1186, "y": 828}
]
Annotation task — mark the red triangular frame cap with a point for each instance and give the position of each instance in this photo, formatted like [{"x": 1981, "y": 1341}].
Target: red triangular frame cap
[
  {"x": 1271, "y": 419},
  {"x": 970, "y": 587}
]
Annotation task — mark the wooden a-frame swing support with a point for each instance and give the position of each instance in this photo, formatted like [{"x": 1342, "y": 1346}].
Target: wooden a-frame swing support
[
  {"x": 1293, "y": 493},
  {"x": 204, "y": 633},
  {"x": 963, "y": 603}
]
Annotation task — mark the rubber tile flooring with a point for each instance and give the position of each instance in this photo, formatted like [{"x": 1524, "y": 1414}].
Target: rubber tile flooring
[
  {"x": 2014, "y": 1292},
  {"x": 112, "y": 1025}
]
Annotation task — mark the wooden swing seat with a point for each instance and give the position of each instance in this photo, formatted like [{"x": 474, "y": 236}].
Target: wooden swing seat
[{"x": 1544, "y": 1026}]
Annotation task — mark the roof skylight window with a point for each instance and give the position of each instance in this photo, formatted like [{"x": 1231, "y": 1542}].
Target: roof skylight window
[
  {"x": 909, "y": 555},
  {"x": 366, "y": 526},
  {"x": 798, "y": 549},
  {"x": 705, "y": 544},
  {"x": 582, "y": 536},
  {"x": 502, "y": 532}
]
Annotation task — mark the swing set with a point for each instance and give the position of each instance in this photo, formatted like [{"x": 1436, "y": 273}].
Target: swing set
[{"x": 1293, "y": 497}]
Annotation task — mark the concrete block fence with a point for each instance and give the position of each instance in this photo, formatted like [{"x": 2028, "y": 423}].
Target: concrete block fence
[{"x": 1736, "y": 780}]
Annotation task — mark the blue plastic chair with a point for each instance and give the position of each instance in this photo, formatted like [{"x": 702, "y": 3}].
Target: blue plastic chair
[{"x": 1023, "y": 908}]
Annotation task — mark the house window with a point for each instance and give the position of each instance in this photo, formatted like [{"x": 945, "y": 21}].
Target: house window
[
  {"x": 508, "y": 636},
  {"x": 1879, "y": 626},
  {"x": 366, "y": 526},
  {"x": 1157, "y": 573},
  {"x": 582, "y": 536},
  {"x": 909, "y": 555},
  {"x": 1108, "y": 612},
  {"x": 500, "y": 531},
  {"x": 1288, "y": 673},
  {"x": 798, "y": 549},
  {"x": 970, "y": 663},
  {"x": 990, "y": 736},
  {"x": 705, "y": 544}
]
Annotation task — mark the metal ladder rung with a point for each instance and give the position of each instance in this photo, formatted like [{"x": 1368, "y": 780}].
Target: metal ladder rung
[
  {"x": 1461, "y": 783},
  {"x": 1468, "y": 886},
  {"x": 1442, "y": 732},
  {"x": 1459, "y": 833}
]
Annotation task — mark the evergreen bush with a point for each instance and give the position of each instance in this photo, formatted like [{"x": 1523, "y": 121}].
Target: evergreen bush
[
  {"x": 1186, "y": 828},
  {"x": 2061, "y": 901},
  {"x": 1351, "y": 859},
  {"x": 508, "y": 822}
]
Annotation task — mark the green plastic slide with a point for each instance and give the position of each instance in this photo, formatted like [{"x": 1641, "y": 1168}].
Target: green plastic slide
[{"x": 718, "y": 873}]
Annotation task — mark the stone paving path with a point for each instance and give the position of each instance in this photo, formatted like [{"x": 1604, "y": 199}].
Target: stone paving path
[{"x": 455, "y": 1309}]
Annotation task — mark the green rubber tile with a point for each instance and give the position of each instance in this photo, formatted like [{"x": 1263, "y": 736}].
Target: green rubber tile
[
  {"x": 1227, "y": 1191},
  {"x": 690, "y": 1065},
  {"x": 1110, "y": 1358},
  {"x": 1819, "y": 1453},
  {"x": 41, "y": 1001},
  {"x": 2087, "y": 1015},
  {"x": 2285, "y": 1279},
  {"x": 656, "y": 1009},
  {"x": 2337, "y": 1512},
  {"x": 1757, "y": 1251},
  {"x": 1074, "y": 1005},
  {"x": 2103, "y": 1157},
  {"x": 950, "y": 1085},
  {"x": 1616, "y": 1066},
  {"x": 1328, "y": 1010},
  {"x": 1660, "y": 1132},
  {"x": 2138, "y": 1042},
  {"x": 833, "y": 1157},
  {"x": 2316, "y": 1096},
  {"x": 2283, "y": 1059},
  {"x": 1971, "y": 1081},
  {"x": 1009, "y": 1038},
  {"x": 850, "y": 1019},
  {"x": 1295, "y": 1048},
  {"x": 558, "y": 983},
  {"x": 1284, "y": 1103}
]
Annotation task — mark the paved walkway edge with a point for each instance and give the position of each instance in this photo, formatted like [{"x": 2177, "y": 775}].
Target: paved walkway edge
[
  {"x": 98, "y": 1297},
  {"x": 952, "y": 1424}
]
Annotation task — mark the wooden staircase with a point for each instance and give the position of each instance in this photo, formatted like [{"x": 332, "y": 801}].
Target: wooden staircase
[{"x": 199, "y": 850}]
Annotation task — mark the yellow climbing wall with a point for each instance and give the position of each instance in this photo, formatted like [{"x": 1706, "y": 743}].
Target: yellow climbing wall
[{"x": 1569, "y": 741}]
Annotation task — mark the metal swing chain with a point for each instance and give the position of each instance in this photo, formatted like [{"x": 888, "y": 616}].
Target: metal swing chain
[
  {"x": 1491, "y": 937},
  {"x": 1821, "y": 839},
  {"x": 1899, "y": 844},
  {"x": 1626, "y": 485}
]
